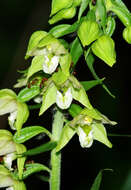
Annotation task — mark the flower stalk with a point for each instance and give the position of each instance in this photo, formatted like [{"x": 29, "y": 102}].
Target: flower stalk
[{"x": 56, "y": 156}]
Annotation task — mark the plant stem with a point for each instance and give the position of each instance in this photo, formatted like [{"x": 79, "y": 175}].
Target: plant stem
[{"x": 56, "y": 156}]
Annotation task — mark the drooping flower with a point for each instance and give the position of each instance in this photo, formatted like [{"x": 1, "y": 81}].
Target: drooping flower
[
  {"x": 18, "y": 111},
  {"x": 7, "y": 148},
  {"x": 7, "y": 181},
  {"x": 64, "y": 100}
]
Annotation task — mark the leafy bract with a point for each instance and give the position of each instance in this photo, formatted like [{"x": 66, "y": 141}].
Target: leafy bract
[
  {"x": 29, "y": 132},
  {"x": 66, "y": 135},
  {"x": 36, "y": 65},
  {"x": 49, "y": 98}
]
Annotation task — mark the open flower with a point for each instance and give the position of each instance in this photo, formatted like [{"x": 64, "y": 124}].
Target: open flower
[
  {"x": 18, "y": 111},
  {"x": 64, "y": 100},
  {"x": 6, "y": 180},
  {"x": 7, "y": 148}
]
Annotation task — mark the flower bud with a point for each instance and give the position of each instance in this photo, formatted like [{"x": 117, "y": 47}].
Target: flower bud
[
  {"x": 76, "y": 3},
  {"x": 85, "y": 136},
  {"x": 104, "y": 48},
  {"x": 64, "y": 101},
  {"x": 88, "y": 32},
  {"x": 63, "y": 14},
  {"x": 58, "y": 5},
  {"x": 127, "y": 34}
]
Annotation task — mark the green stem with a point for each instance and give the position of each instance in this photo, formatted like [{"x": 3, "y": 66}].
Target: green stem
[{"x": 56, "y": 157}]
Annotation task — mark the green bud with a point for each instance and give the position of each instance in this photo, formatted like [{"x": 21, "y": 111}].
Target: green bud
[
  {"x": 104, "y": 48},
  {"x": 63, "y": 14},
  {"x": 58, "y": 5},
  {"x": 127, "y": 34},
  {"x": 88, "y": 32},
  {"x": 77, "y": 3}
]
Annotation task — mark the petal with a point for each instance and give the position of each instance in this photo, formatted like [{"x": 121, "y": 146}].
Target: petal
[
  {"x": 6, "y": 181},
  {"x": 12, "y": 119},
  {"x": 9, "y": 147},
  {"x": 8, "y": 160},
  {"x": 85, "y": 140},
  {"x": 49, "y": 66},
  {"x": 10, "y": 188},
  {"x": 64, "y": 101}
]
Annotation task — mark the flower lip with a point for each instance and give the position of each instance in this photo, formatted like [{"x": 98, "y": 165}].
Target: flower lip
[
  {"x": 86, "y": 141},
  {"x": 64, "y": 101},
  {"x": 50, "y": 65}
]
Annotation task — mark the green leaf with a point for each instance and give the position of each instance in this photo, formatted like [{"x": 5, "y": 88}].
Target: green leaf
[
  {"x": 74, "y": 110},
  {"x": 76, "y": 51},
  {"x": 83, "y": 7},
  {"x": 29, "y": 132},
  {"x": 33, "y": 42},
  {"x": 65, "y": 62},
  {"x": 97, "y": 182},
  {"x": 90, "y": 84},
  {"x": 7, "y": 101},
  {"x": 36, "y": 65},
  {"x": 49, "y": 98},
  {"x": 27, "y": 94},
  {"x": 20, "y": 148},
  {"x": 100, "y": 134},
  {"x": 40, "y": 149},
  {"x": 34, "y": 168},
  {"x": 90, "y": 61},
  {"x": 66, "y": 135},
  {"x": 58, "y": 5},
  {"x": 58, "y": 30},
  {"x": 59, "y": 77},
  {"x": 22, "y": 115},
  {"x": 81, "y": 96},
  {"x": 101, "y": 8}
]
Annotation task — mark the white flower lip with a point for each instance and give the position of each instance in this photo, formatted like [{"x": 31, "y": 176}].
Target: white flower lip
[
  {"x": 10, "y": 188},
  {"x": 8, "y": 160},
  {"x": 64, "y": 101},
  {"x": 49, "y": 66},
  {"x": 85, "y": 141},
  {"x": 12, "y": 119}
]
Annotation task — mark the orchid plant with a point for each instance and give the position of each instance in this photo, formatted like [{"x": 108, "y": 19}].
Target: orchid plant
[{"x": 50, "y": 80}]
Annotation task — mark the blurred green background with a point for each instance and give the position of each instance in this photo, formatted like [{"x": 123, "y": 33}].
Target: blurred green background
[{"x": 18, "y": 19}]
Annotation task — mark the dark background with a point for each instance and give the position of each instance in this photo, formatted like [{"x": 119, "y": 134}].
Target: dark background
[{"x": 18, "y": 19}]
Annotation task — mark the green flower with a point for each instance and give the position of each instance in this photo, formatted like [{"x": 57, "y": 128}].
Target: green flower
[
  {"x": 7, "y": 181},
  {"x": 7, "y": 148},
  {"x": 18, "y": 111},
  {"x": 89, "y": 126}
]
